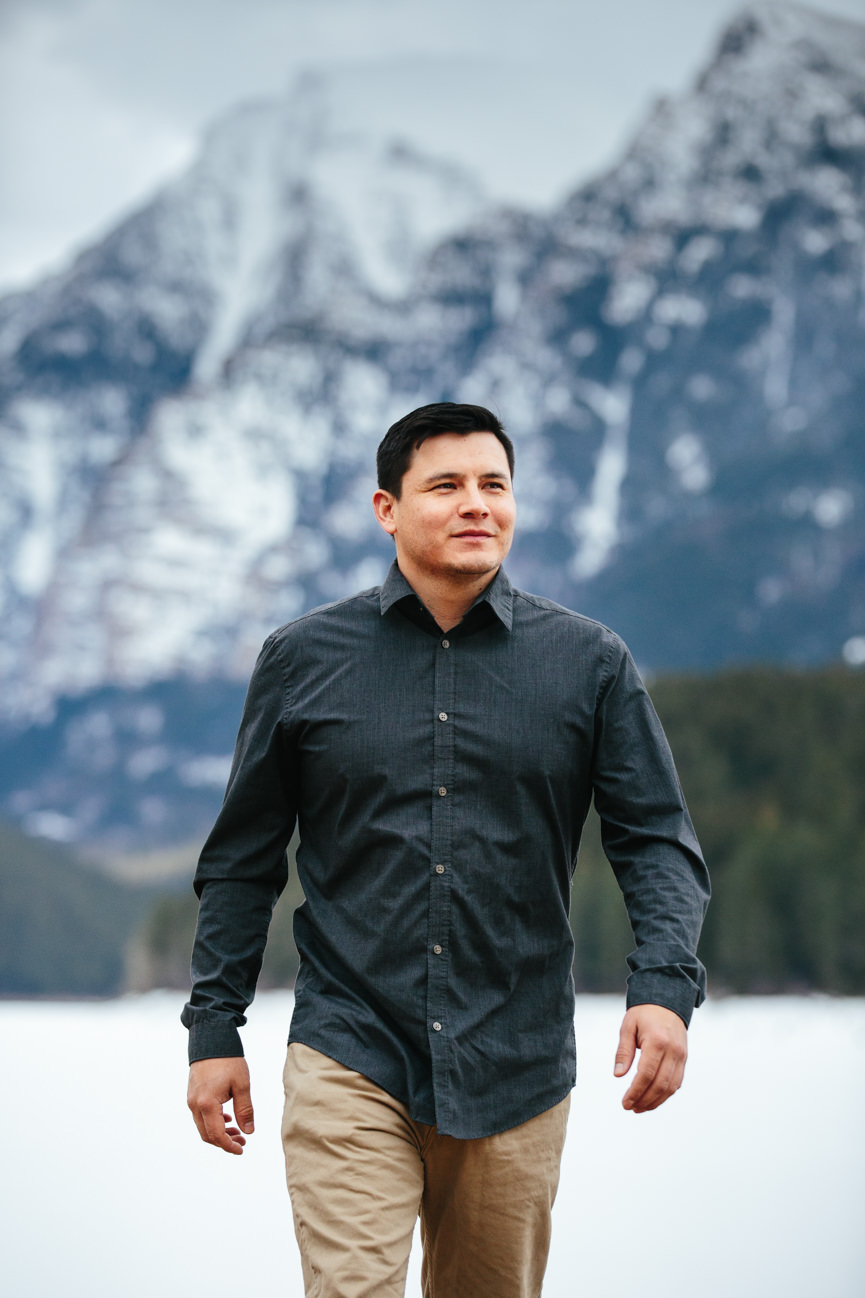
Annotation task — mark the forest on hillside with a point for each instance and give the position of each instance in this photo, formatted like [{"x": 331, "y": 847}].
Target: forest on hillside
[{"x": 772, "y": 763}]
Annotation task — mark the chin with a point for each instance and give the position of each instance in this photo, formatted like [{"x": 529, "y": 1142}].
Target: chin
[{"x": 476, "y": 567}]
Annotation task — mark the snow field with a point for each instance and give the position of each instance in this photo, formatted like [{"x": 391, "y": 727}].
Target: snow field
[{"x": 750, "y": 1181}]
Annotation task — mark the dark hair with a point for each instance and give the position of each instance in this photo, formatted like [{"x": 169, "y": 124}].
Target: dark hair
[{"x": 404, "y": 437}]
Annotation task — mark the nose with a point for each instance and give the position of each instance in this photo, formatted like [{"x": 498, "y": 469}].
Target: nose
[{"x": 473, "y": 502}]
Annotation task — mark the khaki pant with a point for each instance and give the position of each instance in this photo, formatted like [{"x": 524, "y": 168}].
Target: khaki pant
[{"x": 359, "y": 1171}]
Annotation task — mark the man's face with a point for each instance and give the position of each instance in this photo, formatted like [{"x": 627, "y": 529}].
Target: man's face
[{"x": 455, "y": 513}]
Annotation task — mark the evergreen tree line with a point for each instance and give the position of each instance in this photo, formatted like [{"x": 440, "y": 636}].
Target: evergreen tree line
[{"x": 772, "y": 764}]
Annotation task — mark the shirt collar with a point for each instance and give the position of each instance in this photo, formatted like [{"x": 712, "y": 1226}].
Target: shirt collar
[{"x": 499, "y": 594}]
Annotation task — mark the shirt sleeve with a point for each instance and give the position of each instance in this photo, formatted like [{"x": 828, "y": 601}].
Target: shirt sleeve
[
  {"x": 649, "y": 841},
  {"x": 242, "y": 869}
]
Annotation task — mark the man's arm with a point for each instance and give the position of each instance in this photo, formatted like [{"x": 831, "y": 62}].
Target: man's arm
[
  {"x": 241, "y": 873},
  {"x": 650, "y": 843}
]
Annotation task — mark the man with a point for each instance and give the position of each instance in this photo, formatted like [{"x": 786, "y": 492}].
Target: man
[{"x": 439, "y": 740}]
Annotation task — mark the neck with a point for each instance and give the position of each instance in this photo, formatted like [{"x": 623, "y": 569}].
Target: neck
[{"x": 448, "y": 598}]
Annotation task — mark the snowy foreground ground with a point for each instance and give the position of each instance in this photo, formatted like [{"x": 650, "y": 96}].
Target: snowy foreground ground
[{"x": 751, "y": 1181}]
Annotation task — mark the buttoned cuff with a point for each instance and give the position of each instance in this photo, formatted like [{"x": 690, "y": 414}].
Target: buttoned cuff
[
  {"x": 677, "y": 994},
  {"x": 211, "y": 1036}
]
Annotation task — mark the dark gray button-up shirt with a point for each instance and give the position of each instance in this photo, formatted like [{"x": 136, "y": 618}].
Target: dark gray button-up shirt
[{"x": 440, "y": 783}]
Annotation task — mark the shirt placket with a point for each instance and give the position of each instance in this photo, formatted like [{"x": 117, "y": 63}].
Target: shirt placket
[{"x": 439, "y": 1027}]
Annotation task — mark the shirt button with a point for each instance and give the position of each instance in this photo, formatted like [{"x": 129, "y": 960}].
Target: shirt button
[
  {"x": 437, "y": 949},
  {"x": 446, "y": 644},
  {"x": 443, "y": 716},
  {"x": 440, "y": 869},
  {"x": 442, "y": 792},
  {"x": 437, "y": 1027}
]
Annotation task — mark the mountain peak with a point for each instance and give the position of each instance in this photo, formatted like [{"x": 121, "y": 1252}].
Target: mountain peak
[
  {"x": 780, "y": 106},
  {"x": 766, "y": 36},
  {"x": 307, "y": 171}
]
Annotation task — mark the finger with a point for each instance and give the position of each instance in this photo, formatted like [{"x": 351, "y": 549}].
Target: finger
[
  {"x": 658, "y": 1077},
  {"x": 195, "y": 1109},
  {"x": 653, "y": 1094},
  {"x": 216, "y": 1133},
  {"x": 647, "y": 1070},
  {"x": 667, "y": 1081},
  {"x": 199, "y": 1122},
  {"x": 626, "y": 1050},
  {"x": 243, "y": 1112}
]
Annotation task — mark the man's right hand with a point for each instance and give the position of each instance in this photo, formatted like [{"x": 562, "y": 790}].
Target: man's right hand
[{"x": 212, "y": 1083}]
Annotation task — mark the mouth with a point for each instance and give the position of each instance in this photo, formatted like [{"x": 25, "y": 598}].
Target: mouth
[{"x": 473, "y": 534}]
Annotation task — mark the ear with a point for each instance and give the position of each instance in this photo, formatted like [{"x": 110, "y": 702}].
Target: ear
[{"x": 384, "y": 504}]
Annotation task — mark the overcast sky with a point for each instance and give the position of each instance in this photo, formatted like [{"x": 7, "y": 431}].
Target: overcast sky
[{"x": 101, "y": 100}]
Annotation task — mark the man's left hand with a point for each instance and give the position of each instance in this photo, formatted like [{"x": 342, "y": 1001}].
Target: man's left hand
[{"x": 662, "y": 1040}]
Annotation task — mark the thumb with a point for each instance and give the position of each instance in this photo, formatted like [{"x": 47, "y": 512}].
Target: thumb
[
  {"x": 627, "y": 1048},
  {"x": 243, "y": 1114}
]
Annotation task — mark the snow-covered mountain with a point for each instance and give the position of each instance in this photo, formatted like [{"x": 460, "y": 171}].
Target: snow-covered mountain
[
  {"x": 694, "y": 362},
  {"x": 166, "y": 401},
  {"x": 189, "y": 415}
]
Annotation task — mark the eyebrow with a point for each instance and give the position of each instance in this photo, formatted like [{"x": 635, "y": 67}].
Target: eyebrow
[{"x": 444, "y": 475}]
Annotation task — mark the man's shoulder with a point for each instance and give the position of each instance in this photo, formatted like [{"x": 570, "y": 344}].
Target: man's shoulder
[
  {"x": 546, "y": 612},
  {"x": 351, "y": 609}
]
